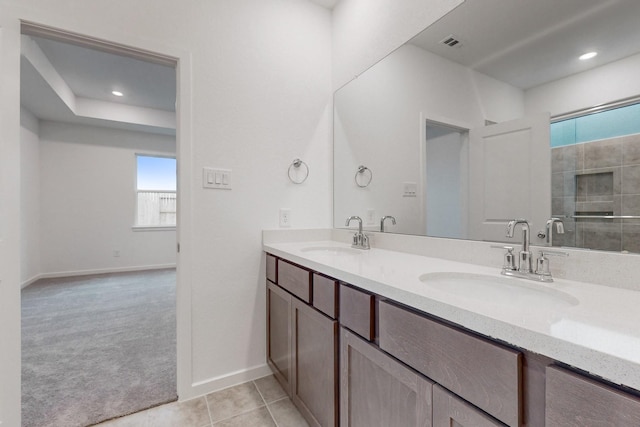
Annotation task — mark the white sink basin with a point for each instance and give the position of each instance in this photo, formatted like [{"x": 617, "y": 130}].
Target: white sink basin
[
  {"x": 499, "y": 290},
  {"x": 332, "y": 250}
]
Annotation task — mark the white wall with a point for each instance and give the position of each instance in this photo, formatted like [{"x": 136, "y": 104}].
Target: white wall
[
  {"x": 608, "y": 83},
  {"x": 260, "y": 79},
  {"x": 378, "y": 124},
  {"x": 87, "y": 207},
  {"x": 365, "y": 31},
  {"x": 29, "y": 197},
  {"x": 10, "y": 220}
]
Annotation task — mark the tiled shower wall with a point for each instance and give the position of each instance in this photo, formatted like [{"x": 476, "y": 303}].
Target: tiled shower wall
[{"x": 598, "y": 177}]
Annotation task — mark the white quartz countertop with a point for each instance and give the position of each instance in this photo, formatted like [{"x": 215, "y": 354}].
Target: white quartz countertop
[{"x": 594, "y": 328}]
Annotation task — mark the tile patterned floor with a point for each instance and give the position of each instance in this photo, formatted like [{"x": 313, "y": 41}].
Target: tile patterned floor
[{"x": 259, "y": 403}]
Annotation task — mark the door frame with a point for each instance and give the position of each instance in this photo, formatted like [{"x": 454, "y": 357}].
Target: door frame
[{"x": 11, "y": 19}]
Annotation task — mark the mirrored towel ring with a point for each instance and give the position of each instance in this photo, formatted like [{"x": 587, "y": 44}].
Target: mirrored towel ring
[
  {"x": 297, "y": 175},
  {"x": 363, "y": 176}
]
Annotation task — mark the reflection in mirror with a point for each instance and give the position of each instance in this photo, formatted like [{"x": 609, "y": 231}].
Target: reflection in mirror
[
  {"x": 596, "y": 179},
  {"x": 481, "y": 119}
]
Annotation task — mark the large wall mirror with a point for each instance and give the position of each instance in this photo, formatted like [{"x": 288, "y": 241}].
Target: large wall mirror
[{"x": 488, "y": 115}]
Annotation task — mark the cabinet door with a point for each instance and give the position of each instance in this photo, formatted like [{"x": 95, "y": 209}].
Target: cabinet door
[
  {"x": 575, "y": 400},
  {"x": 376, "y": 390},
  {"x": 315, "y": 347},
  {"x": 357, "y": 311},
  {"x": 478, "y": 370},
  {"x": 451, "y": 411},
  {"x": 279, "y": 334}
]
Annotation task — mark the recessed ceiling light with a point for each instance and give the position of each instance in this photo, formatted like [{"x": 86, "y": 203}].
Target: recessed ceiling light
[
  {"x": 587, "y": 55},
  {"x": 117, "y": 93}
]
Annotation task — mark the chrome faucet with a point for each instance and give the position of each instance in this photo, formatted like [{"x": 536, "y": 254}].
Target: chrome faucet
[
  {"x": 360, "y": 241},
  {"x": 549, "y": 229},
  {"x": 525, "y": 264},
  {"x": 524, "y": 268},
  {"x": 393, "y": 221}
]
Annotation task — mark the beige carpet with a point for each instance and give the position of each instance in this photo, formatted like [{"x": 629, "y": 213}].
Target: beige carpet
[{"x": 97, "y": 347}]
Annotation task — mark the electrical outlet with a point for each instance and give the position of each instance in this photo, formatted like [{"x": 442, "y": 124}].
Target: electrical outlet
[
  {"x": 285, "y": 217},
  {"x": 116, "y": 253},
  {"x": 371, "y": 217}
]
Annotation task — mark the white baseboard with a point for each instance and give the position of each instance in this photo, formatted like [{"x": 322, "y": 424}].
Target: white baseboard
[
  {"x": 30, "y": 281},
  {"x": 94, "y": 271},
  {"x": 210, "y": 385}
]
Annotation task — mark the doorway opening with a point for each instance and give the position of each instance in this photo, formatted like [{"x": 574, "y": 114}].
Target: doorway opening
[
  {"x": 88, "y": 111},
  {"x": 446, "y": 180}
]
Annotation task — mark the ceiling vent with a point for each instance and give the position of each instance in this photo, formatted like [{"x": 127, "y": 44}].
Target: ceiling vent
[{"x": 451, "y": 41}]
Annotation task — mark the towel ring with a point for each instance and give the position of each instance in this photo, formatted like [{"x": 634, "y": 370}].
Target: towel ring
[
  {"x": 295, "y": 166},
  {"x": 360, "y": 178}
]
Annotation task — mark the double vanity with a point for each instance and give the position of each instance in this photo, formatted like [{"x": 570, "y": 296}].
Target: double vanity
[{"x": 381, "y": 337}]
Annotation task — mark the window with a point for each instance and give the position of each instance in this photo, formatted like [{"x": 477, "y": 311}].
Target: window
[{"x": 156, "y": 191}]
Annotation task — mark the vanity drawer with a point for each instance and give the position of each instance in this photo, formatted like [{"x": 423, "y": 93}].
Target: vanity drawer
[
  {"x": 271, "y": 268},
  {"x": 484, "y": 373},
  {"x": 325, "y": 295},
  {"x": 295, "y": 279},
  {"x": 575, "y": 400},
  {"x": 357, "y": 311}
]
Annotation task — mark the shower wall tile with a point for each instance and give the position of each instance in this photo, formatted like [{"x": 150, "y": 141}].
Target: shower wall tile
[
  {"x": 601, "y": 185},
  {"x": 605, "y": 153},
  {"x": 631, "y": 149},
  {"x": 569, "y": 205},
  {"x": 579, "y": 235},
  {"x": 580, "y": 157},
  {"x": 631, "y": 237},
  {"x": 557, "y": 184},
  {"x": 631, "y": 179},
  {"x": 631, "y": 205},
  {"x": 557, "y": 206},
  {"x": 564, "y": 158},
  {"x": 616, "y": 178},
  {"x": 595, "y": 234},
  {"x": 563, "y": 206},
  {"x": 563, "y": 184},
  {"x": 566, "y": 239},
  {"x": 570, "y": 184},
  {"x": 601, "y": 236}
]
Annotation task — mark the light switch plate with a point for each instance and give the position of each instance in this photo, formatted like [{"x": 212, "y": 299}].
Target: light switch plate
[
  {"x": 219, "y": 179},
  {"x": 409, "y": 189}
]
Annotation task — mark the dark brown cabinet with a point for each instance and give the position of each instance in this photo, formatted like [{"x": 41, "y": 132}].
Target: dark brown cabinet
[
  {"x": 480, "y": 371},
  {"x": 575, "y": 400},
  {"x": 450, "y": 410},
  {"x": 295, "y": 280},
  {"x": 357, "y": 311},
  {"x": 325, "y": 295},
  {"x": 378, "y": 391},
  {"x": 279, "y": 334},
  {"x": 302, "y": 342},
  {"x": 350, "y": 358},
  {"x": 315, "y": 354}
]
